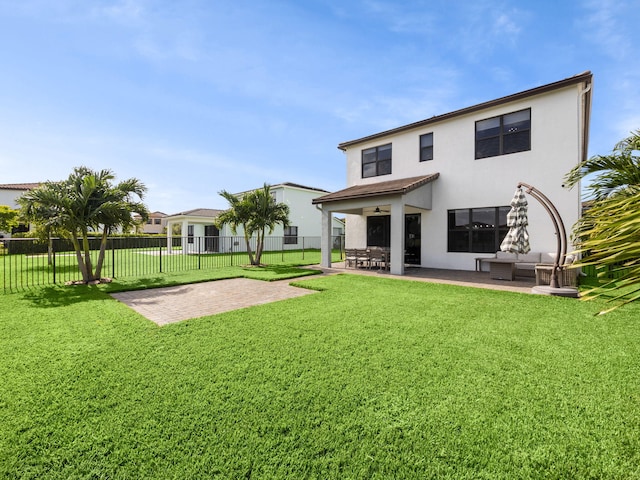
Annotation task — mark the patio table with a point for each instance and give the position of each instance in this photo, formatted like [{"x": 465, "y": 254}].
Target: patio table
[{"x": 502, "y": 269}]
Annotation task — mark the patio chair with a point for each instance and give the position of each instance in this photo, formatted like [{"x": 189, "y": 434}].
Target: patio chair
[
  {"x": 350, "y": 258},
  {"x": 362, "y": 258},
  {"x": 567, "y": 277},
  {"x": 377, "y": 257}
]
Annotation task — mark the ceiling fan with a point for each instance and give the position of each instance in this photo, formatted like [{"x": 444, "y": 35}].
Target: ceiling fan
[{"x": 379, "y": 210}]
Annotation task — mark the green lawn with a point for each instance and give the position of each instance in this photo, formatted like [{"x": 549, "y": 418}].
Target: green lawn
[{"x": 371, "y": 378}]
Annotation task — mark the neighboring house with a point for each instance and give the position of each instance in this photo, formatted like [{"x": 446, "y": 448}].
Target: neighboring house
[
  {"x": 9, "y": 193},
  {"x": 304, "y": 219},
  {"x": 197, "y": 223},
  {"x": 155, "y": 224},
  {"x": 437, "y": 191}
]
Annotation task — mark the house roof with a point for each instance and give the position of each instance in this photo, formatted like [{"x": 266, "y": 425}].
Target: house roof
[
  {"x": 579, "y": 78},
  {"x": 390, "y": 187},
  {"x": 287, "y": 184},
  {"x": 297, "y": 185},
  {"x": 199, "y": 212},
  {"x": 19, "y": 186}
]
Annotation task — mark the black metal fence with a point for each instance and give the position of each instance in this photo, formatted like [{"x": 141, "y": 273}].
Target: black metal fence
[{"x": 26, "y": 262}]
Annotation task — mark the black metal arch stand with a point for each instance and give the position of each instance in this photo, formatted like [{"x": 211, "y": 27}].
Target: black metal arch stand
[{"x": 561, "y": 237}]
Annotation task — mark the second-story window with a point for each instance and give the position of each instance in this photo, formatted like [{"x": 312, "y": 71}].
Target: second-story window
[
  {"x": 503, "y": 134},
  {"x": 426, "y": 147},
  {"x": 376, "y": 161}
]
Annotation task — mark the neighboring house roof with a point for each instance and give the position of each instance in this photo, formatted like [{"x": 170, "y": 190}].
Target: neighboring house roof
[
  {"x": 157, "y": 214},
  {"x": 287, "y": 184},
  {"x": 581, "y": 77},
  {"x": 391, "y": 187},
  {"x": 198, "y": 212},
  {"x": 297, "y": 185},
  {"x": 19, "y": 186}
]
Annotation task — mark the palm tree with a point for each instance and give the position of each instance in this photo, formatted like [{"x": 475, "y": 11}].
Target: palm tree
[
  {"x": 608, "y": 234},
  {"x": 86, "y": 201},
  {"x": 257, "y": 212},
  {"x": 618, "y": 173}
]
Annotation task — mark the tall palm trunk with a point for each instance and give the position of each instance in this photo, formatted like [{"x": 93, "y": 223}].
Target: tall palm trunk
[
  {"x": 259, "y": 245},
  {"x": 247, "y": 240},
  {"x": 87, "y": 257},
  {"x": 103, "y": 247},
  {"x": 81, "y": 264}
]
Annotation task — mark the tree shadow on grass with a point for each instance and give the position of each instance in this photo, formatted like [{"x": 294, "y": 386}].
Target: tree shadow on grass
[{"x": 60, "y": 296}]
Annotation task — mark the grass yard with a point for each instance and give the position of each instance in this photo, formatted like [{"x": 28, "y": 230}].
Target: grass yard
[{"x": 371, "y": 378}]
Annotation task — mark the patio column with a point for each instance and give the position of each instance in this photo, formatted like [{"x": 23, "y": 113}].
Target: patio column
[
  {"x": 397, "y": 238},
  {"x": 169, "y": 237},
  {"x": 325, "y": 239}
]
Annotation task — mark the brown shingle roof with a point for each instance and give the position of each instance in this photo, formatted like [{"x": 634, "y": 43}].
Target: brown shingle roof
[
  {"x": 19, "y": 186},
  {"x": 391, "y": 187}
]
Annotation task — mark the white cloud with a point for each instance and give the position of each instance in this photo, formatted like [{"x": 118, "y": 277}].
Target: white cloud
[
  {"x": 125, "y": 11},
  {"x": 605, "y": 30},
  {"x": 403, "y": 17}
]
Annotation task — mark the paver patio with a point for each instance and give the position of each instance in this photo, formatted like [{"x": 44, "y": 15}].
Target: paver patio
[{"x": 174, "y": 304}]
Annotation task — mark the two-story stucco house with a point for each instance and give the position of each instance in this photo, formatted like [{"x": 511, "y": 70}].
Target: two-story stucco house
[
  {"x": 304, "y": 222},
  {"x": 437, "y": 191}
]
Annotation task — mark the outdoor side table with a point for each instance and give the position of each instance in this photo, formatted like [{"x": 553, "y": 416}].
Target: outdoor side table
[{"x": 502, "y": 269}]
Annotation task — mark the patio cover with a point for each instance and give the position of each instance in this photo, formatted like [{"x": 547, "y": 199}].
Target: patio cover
[
  {"x": 400, "y": 194},
  {"x": 390, "y": 187}
]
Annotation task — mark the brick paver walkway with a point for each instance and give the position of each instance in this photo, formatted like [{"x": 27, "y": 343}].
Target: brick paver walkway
[{"x": 174, "y": 304}]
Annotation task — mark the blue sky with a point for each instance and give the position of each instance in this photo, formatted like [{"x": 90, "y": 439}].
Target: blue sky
[{"x": 197, "y": 96}]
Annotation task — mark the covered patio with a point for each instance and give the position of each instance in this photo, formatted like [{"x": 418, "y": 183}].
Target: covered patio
[{"x": 383, "y": 214}]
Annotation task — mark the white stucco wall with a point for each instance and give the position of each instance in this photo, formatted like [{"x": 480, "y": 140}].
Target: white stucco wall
[
  {"x": 302, "y": 213},
  {"x": 465, "y": 182},
  {"x": 8, "y": 197}
]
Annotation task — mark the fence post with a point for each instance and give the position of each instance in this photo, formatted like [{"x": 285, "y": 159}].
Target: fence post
[
  {"x": 199, "y": 251},
  {"x": 160, "y": 257},
  {"x": 53, "y": 261},
  {"x": 113, "y": 259}
]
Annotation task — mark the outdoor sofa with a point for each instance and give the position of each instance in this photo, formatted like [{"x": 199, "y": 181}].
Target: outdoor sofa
[{"x": 534, "y": 264}]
